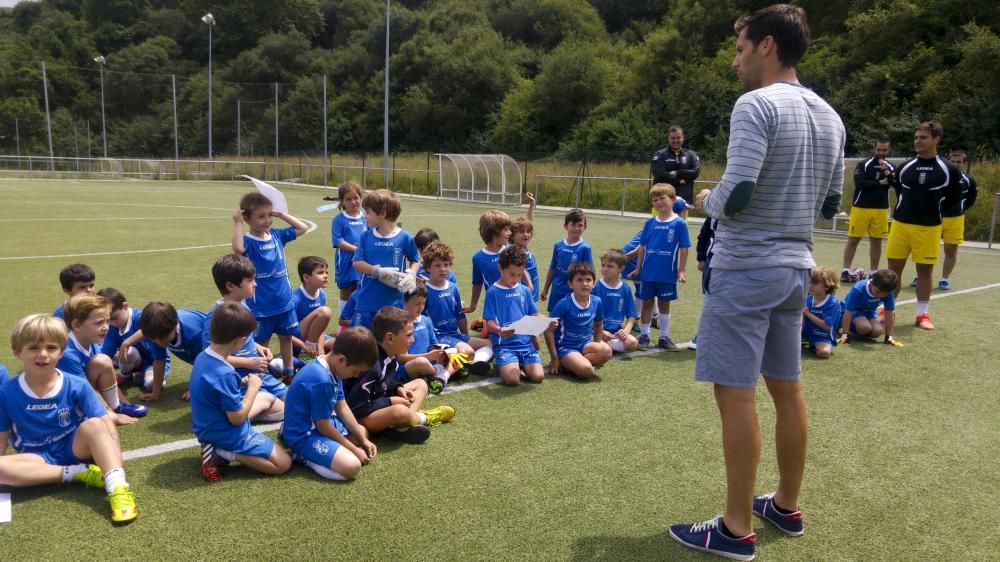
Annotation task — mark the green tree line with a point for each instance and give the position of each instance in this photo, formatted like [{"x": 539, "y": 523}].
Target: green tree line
[{"x": 598, "y": 79}]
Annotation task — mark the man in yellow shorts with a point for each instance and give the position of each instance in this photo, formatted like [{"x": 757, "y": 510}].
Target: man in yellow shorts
[
  {"x": 953, "y": 225},
  {"x": 869, "y": 209},
  {"x": 924, "y": 185}
]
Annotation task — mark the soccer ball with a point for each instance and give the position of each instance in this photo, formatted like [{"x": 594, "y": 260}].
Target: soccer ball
[{"x": 857, "y": 274}]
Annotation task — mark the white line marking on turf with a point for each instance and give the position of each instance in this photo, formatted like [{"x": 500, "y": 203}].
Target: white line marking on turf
[
  {"x": 214, "y": 217},
  {"x": 953, "y": 293},
  {"x": 156, "y": 250}
]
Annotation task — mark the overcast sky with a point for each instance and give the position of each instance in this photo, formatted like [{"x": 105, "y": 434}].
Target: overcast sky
[{"x": 8, "y": 3}]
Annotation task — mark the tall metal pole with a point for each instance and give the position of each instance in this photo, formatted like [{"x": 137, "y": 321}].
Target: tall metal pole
[
  {"x": 385, "y": 117},
  {"x": 326, "y": 155},
  {"x": 48, "y": 118},
  {"x": 238, "y": 128},
  {"x": 17, "y": 136},
  {"x": 104, "y": 129},
  {"x": 88, "y": 139},
  {"x": 210, "y": 21},
  {"x": 275, "y": 122},
  {"x": 177, "y": 151}
]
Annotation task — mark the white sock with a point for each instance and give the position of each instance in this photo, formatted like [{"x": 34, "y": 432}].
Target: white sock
[
  {"x": 422, "y": 418},
  {"x": 147, "y": 380},
  {"x": 441, "y": 373},
  {"x": 341, "y": 305},
  {"x": 483, "y": 354},
  {"x": 227, "y": 455},
  {"x": 617, "y": 345},
  {"x": 114, "y": 478},
  {"x": 325, "y": 472},
  {"x": 312, "y": 343},
  {"x": 944, "y": 278},
  {"x": 664, "y": 325},
  {"x": 644, "y": 329},
  {"x": 922, "y": 307},
  {"x": 72, "y": 470},
  {"x": 846, "y": 270},
  {"x": 110, "y": 395}
]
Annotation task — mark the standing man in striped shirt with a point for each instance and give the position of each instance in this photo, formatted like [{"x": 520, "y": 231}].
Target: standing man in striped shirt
[{"x": 785, "y": 166}]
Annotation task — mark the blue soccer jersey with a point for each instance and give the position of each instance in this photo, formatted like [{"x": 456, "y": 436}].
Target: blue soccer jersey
[
  {"x": 827, "y": 310},
  {"x": 392, "y": 251},
  {"x": 305, "y": 304},
  {"x": 506, "y": 305},
  {"x": 312, "y": 396},
  {"x": 563, "y": 256},
  {"x": 274, "y": 293},
  {"x": 113, "y": 341},
  {"x": 662, "y": 242},
  {"x": 860, "y": 301},
  {"x": 576, "y": 321},
  {"x": 531, "y": 266},
  {"x": 345, "y": 228},
  {"x": 423, "y": 335},
  {"x": 444, "y": 308},
  {"x": 617, "y": 303},
  {"x": 249, "y": 348},
  {"x": 484, "y": 267},
  {"x": 215, "y": 390},
  {"x": 42, "y": 423},
  {"x": 76, "y": 357},
  {"x": 59, "y": 313},
  {"x": 631, "y": 263},
  {"x": 188, "y": 341}
]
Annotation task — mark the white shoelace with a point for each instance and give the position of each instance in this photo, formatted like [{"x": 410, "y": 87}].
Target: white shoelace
[{"x": 705, "y": 526}]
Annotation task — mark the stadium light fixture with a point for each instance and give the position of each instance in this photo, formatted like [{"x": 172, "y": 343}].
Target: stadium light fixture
[
  {"x": 104, "y": 130},
  {"x": 209, "y": 20}
]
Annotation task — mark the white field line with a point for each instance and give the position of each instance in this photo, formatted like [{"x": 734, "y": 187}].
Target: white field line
[
  {"x": 215, "y": 217},
  {"x": 953, "y": 293}
]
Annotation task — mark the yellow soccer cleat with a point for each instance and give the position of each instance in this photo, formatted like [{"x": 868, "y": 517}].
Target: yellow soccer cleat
[
  {"x": 92, "y": 477},
  {"x": 123, "y": 509},
  {"x": 438, "y": 415}
]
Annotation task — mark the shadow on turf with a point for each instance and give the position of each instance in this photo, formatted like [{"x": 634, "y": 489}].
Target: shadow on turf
[
  {"x": 97, "y": 500},
  {"x": 654, "y": 547}
]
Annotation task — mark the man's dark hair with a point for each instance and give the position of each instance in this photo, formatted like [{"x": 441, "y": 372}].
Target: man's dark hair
[
  {"x": 75, "y": 273},
  {"x": 933, "y": 128},
  {"x": 785, "y": 23},
  {"x": 232, "y": 268}
]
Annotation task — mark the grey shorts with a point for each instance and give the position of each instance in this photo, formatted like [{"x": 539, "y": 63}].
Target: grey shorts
[{"x": 751, "y": 324}]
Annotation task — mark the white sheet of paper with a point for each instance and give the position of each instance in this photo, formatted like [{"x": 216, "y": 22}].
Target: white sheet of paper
[
  {"x": 4, "y": 508},
  {"x": 277, "y": 199},
  {"x": 531, "y": 325},
  {"x": 325, "y": 208}
]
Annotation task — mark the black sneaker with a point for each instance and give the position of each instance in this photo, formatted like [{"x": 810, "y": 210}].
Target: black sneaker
[
  {"x": 845, "y": 276},
  {"x": 479, "y": 368},
  {"x": 414, "y": 435}
]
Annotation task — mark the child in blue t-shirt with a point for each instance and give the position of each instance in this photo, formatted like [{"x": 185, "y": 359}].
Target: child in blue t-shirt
[
  {"x": 617, "y": 302},
  {"x": 220, "y": 410},
  {"x": 381, "y": 258},
  {"x": 494, "y": 230},
  {"x": 138, "y": 365},
  {"x": 75, "y": 279},
  {"x": 564, "y": 253},
  {"x": 861, "y": 308},
  {"x": 345, "y": 233},
  {"x": 423, "y": 238},
  {"x": 425, "y": 357},
  {"x": 310, "y": 306},
  {"x": 661, "y": 259},
  {"x": 55, "y": 422},
  {"x": 578, "y": 342},
  {"x": 821, "y": 314},
  {"x": 522, "y": 230},
  {"x": 272, "y": 304},
  {"x": 319, "y": 427},
  {"x": 166, "y": 328},
  {"x": 508, "y": 301}
]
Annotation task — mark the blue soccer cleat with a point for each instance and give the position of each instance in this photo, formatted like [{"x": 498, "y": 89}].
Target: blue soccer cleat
[{"x": 134, "y": 410}]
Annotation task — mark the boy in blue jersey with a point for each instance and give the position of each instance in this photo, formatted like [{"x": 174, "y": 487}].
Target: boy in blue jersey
[
  {"x": 564, "y": 253},
  {"x": 425, "y": 357},
  {"x": 319, "y": 427},
  {"x": 617, "y": 302},
  {"x": 381, "y": 258},
  {"x": 55, "y": 422},
  {"x": 444, "y": 308},
  {"x": 508, "y": 301},
  {"x": 423, "y": 238},
  {"x": 138, "y": 366},
  {"x": 522, "y": 230},
  {"x": 860, "y": 308},
  {"x": 75, "y": 279},
  {"x": 378, "y": 400},
  {"x": 272, "y": 305},
  {"x": 87, "y": 317},
  {"x": 220, "y": 410},
  {"x": 166, "y": 328},
  {"x": 578, "y": 343},
  {"x": 821, "y": 314},
  {"x": 345, "y": 233},
  {"x": 310, "y": 305},
  {"x": 661, "y": 259},
  {"x": 494, "y": 230}
]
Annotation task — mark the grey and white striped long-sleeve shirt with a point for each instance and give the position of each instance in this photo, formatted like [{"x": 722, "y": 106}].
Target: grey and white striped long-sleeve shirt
[{"x": 790, "y": 143}]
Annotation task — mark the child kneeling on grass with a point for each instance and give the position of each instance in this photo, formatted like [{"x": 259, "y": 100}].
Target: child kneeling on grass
[
  {"x": 578, "y": 343},
  {"x": 220, "y": 413},
  {"x": 821, "y": 314},
  {"x": 56, "y": 422},
  {"x": 319, "y": 427}
]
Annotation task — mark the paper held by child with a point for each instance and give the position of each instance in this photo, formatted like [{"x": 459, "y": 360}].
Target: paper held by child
[
  {"x": 531, "y": 325},
  {"x": 277, "y": 199}
]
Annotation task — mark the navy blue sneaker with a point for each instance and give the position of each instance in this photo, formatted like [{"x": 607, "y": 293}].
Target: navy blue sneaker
[
  {"x": 789, "y": 523},
  {"x": 707, "y": 537},
  {"x": 134, "y": 410}
]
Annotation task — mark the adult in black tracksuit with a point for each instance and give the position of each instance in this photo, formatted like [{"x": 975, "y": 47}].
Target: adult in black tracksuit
[
  {"x": 953, "y": 222},
  {"x": 869, "y": 208},
  {"x": 676, "y": 165}
]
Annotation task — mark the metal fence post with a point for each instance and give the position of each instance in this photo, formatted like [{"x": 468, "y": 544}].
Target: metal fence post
[
  {"x": 993, "y": 219},
  {"x": 624, "y": 189}
]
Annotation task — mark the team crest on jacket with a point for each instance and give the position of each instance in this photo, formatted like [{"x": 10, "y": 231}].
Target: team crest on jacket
[{"x": 63, "y": 415}]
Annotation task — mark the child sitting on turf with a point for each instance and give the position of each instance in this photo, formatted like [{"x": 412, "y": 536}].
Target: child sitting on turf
[
  {"x": 861, "y": 308},
  {"x": 75, "y": 279},
  {"x": 564, "y": 252},
  {"x": 821, "y": 313},
  {"x": 377, "y": 399},
  {"x": 220, "y": 411},
  {"x": 381, "y": 258},
  {"x": 138, "y": 366},
  {"x": 272, "y": 306},
  {"x": 661, "y": 259},
  {"x": 508, "y": 301},
  {"x": 424, "y": 358},
  {"x": 345, "y": 233},
  {"x": 167, "y": 328},
  {"x": 444, "y": 308},
  {"x": 319, "y": 427},
  {"x": 310, "y": 305},
  {"x": 617, "y": 302},
  {"x": 578, "y": 343},
  {"x": 87, "y": 316},
  {"x": 494, "y": 229},
  {"x": 55, "y": 422}
]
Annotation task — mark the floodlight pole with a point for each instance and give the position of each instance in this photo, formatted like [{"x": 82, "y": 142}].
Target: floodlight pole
[
  {"x": 326, "y": 155},
  {"x": 385, "y": 117},
  {"x": 210, "y": 21},
  {"x": 238, "y": 127},
  {"x": 177, "y": 151},
  {"x": 48, "y": 118},
  {"x": 276, "y": 122},
  {"x": 104, "y": 131}
]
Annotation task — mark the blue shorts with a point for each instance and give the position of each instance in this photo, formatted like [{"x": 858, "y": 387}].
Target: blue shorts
[
  {"x": 564, "y": 348},
  {"x": 317, "y": 448},
  {"x": 814, "y": 339},
  {"x": 59, "y": 453},
  {"x": 869, "y": 314},
  {"x": 657, "y": 290},
  {"x": 284, "y": 323},
  {"x": 520, "y": 357},
  {"x": 347, "y": 284},
  {"x": 451, "y": 340},
  {"x": 273, "y": 386},
  {"x": 253, "y": 445}
]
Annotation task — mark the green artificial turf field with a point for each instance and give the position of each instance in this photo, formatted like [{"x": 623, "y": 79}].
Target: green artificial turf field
[{"x": 900, "y": 463}]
